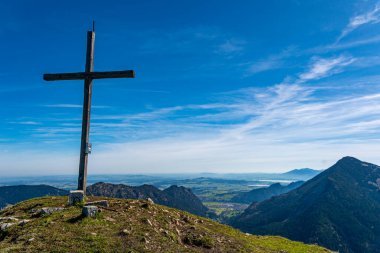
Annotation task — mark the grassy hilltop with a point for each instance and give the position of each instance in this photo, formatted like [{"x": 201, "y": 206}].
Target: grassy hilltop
[{"x": 128, "y": 226}]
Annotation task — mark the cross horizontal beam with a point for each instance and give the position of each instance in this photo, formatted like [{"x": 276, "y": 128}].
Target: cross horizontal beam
[{"x": 90, "y": 75}]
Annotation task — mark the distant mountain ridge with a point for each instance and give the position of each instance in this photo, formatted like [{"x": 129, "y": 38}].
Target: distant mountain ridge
[
  {"x": 338, "y": 209},
  {"x": 174, "y": 196},
  {"x": 304, "y": 173},
  {"x": 10, "y": 195},
  {"x": 264, "y": 193}
]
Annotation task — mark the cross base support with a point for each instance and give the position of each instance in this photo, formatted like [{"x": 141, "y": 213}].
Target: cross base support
[{"x": 76, "y": 197}]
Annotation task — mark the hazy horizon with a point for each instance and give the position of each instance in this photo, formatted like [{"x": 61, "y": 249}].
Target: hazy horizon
[{"x": 151, "y": 174}]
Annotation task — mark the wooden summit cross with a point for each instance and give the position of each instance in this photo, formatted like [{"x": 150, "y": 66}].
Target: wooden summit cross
[{"x": 87, "y": 76}]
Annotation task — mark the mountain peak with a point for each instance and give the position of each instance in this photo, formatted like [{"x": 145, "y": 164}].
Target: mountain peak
[
  {"x": 351, "y": 165},
  {"x": 348, "y": 159}
]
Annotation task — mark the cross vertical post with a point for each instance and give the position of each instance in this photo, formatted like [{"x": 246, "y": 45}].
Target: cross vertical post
[
  {"x": 88, "y": 76},
  {"x": 82, "y": 178}
]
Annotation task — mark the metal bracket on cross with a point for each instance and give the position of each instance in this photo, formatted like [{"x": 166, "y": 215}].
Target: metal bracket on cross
[{"x": 88, "y": 148}]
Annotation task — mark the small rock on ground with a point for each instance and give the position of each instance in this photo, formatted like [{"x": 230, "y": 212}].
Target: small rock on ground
[
  {"x": 5, "y": 226},
  {"x": 103, "y": 203},
  {"x": 90, "y": 211},
  {"x": 22, "y": 222},
  {"x": 50, "y": 210}
]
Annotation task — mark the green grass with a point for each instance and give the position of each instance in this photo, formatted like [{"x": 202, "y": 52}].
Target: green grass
[{"x": 130, "y": 226}]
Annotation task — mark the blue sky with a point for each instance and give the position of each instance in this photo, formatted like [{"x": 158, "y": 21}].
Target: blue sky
[{"x": 221, "y": 86}]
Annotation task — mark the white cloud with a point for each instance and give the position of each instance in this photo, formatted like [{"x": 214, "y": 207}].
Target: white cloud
[
  {"x": 270, "y": 63},
  {"x": 352, "y": 44},
  {"x": 231, "y": 46},
  {"x": 264, "y": 65},
  {"x": 65, "y": 106},
  {"x": 323, "y": 67},
  {"x": 29, "y": 122},
  {"x": 243, "y": 130},
  {"x": 370, "y": 17},
  {"x": 16, "y": 162},
  {"x": 285, "y": 127},
  {"x": 276, "y": 128},
  {"x": 289, "y": 125}
]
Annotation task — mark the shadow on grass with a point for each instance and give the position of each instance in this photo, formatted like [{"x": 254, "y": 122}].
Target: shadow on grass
[
  {"x": 76, "y": 219},
  {"x": 3, "y": 234}
]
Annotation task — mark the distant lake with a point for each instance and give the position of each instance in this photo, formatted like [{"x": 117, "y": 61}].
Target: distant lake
[
  {"x": 276, "y": 181},
  {"x": 258, "y": 185}
]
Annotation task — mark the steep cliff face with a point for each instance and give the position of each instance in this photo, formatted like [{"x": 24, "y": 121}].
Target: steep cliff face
[
  {"x": 339, "y": 209},
  {"x": 174, "y": 196}
]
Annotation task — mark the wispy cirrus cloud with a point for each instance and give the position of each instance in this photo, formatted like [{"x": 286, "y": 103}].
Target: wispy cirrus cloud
[
  {"x": 241, "y": 130},
  {"x": 323, "y": 67},
  {"x": 346, "y": 45},
  {"x": 370, "y": 17},
  {"x": 28, "y": 122},
  {"x": 217, "y": 116},
  {"x": 280, "y": 122},
  {"x": 231, "y": 46},
  {"x": 271, "y": 62}
]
